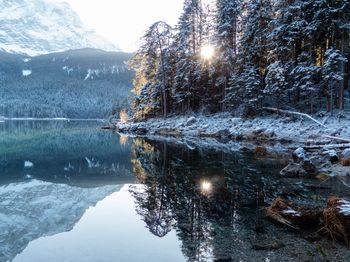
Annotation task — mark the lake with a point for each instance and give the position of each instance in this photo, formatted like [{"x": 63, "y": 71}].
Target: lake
[{"x": 71, "y": 192}]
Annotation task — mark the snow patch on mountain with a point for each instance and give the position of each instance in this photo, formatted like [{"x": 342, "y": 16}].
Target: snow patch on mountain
[
  {"x": 26, "y": 72},
  {"x": 36, "y": 27}
]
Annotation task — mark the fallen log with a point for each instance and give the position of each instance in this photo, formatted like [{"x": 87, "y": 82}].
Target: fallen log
[
  {"x": 327, "y": 146},
  {"x": 338, "y": 138},
  {"x": 294, "y": 113},
  {"x": 281, "y": 211}
]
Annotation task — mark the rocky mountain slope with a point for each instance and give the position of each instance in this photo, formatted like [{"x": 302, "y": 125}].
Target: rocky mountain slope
[{"x": 36, "y": 27}]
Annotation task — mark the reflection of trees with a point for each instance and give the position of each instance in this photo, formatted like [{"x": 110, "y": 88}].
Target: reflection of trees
[
  {"x": 154, "y": 202},
  {"x": 208, "y": 223}
]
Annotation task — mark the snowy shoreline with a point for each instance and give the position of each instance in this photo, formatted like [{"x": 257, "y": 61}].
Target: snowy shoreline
[
  {"x": 278, "y": 135},
  {"x": 272, "y": 128}
]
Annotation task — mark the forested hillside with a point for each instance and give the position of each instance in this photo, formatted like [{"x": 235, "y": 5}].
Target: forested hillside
[
  {"x": 86, "y": 83},
  {"x": 242, "y": 55}
]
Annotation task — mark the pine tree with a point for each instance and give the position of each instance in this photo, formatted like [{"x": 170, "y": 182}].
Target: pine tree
[
  {"x": 285, "y": 53},
  {"x": 305, "y": 77},
  {"x": 253, "y": 52},
  {"x": 288, "y": 40},
  {"x": 150, "y": 83},
  {"x": 188, "y": 43},
  {"x": 332, "y": 75},
  {"x": 227, "y": 36},
  {"x": 329, "y": 29}
]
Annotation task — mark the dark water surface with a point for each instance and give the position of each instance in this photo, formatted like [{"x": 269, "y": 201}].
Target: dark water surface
[{"x": 70, "y": 192}]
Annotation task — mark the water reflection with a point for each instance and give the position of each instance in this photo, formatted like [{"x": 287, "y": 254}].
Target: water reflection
[
  {"x": 59, "y": 186},
  {"x": 206, "y": 187},
  {"x": 109, "y": 231},
  {"x": 212, "y": 199},
  {"x": 200, "y": 194},
  {"x": 50, "y": 174},
  {"x": 33, "y": 209},
  {"x": 75, "y": 153}
]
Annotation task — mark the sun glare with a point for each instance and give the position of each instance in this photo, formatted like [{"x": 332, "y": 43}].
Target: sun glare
[
  {"x": 207, "y": 52},
  {"x": 206, "y": 187}
]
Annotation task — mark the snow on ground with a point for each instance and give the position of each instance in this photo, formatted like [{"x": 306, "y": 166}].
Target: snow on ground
[
  {"x": 281, "y": 128},
  {"x": 278, "y": 135},
  {"x": 91, "y": 73},
  {"x": 345, "y": 208}
]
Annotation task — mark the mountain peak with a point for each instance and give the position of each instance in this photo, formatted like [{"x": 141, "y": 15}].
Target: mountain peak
[{"x": 35, "y": 27}]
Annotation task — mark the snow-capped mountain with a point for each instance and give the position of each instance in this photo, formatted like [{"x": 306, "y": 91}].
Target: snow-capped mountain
[{"x": 35, "y": 27}]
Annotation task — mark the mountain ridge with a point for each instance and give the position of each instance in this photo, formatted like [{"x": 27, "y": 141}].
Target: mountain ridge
[{"x": 37, "y": 27}]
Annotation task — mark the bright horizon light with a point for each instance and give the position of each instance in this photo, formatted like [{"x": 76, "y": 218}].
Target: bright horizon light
[
  {"x": 125, "y": 22},
  {"x": 207, "y": 52}
]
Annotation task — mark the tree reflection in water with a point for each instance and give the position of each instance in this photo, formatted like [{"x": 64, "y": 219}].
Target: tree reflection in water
[{"x": 210, "y": 198}]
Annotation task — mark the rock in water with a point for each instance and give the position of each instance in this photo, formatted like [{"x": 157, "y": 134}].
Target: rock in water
[
  {"x": 309, "y": 167},
  {"x": 332, "y": 155},
  {"x": 293, "y": 170},
  {"x": 300, "y": 155}
]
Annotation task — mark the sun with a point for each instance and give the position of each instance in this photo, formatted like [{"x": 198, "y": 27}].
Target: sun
[{"x": 207, "y": 52}]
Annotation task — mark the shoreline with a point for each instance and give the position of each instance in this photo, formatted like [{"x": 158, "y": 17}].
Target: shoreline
[
  {"x": 325, "y": 149},
  {"x": 4, "y": 119},
  {"x": 223, "y": 125}
]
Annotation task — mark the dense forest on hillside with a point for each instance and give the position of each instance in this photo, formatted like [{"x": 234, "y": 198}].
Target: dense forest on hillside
[
  {"x": 85, "y": 83},
  {"x": 242, "y": 55}
]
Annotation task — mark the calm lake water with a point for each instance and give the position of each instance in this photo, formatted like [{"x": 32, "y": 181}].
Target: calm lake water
[{"x": 70, "y": 192}]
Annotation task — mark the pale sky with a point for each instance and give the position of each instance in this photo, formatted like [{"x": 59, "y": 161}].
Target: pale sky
[{"x": 123, "y": 22}]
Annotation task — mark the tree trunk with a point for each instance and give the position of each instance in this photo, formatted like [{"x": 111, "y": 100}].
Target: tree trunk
[{"x": 342, "y": 83}]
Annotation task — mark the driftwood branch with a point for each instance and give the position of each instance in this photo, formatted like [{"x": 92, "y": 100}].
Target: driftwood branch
[
  {"x": 330, "y": 146},
  {"x": 294, "y": 113},
  {"x": 338, "y": 138}
]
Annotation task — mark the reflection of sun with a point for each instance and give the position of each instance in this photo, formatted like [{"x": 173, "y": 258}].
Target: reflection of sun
[
  {"x": 206, "y": 186},
  {"x": 123, "y": 140}
]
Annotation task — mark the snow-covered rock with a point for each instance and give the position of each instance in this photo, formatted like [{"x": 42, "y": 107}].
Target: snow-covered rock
[
  {"x": 191, "y": 121},
  {"x": 36, "y": 27},
  {"x": 332, "y": 155},
  {"x": 300, "y": 155},
  {"x": 346, "y": 153}
]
